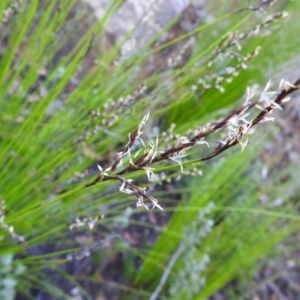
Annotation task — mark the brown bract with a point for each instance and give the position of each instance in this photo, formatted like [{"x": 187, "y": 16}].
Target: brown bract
[{"x": 176, "y": 152}]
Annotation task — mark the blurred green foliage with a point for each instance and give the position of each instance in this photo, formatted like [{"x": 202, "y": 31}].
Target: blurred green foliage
[{"x": 53, "y": 75}]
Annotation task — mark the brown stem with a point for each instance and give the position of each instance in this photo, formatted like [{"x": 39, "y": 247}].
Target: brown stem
[{"x": 141, "y": 163}]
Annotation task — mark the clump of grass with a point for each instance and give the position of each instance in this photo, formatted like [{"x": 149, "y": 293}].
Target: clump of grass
[{"x": 66, "y": 109}]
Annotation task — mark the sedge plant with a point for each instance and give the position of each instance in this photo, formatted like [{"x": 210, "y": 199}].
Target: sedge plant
[{"x": 87, "y": 138}]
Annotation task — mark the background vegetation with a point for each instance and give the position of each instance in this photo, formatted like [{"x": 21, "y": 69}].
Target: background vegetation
[{"x": 69, "y": 99}]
